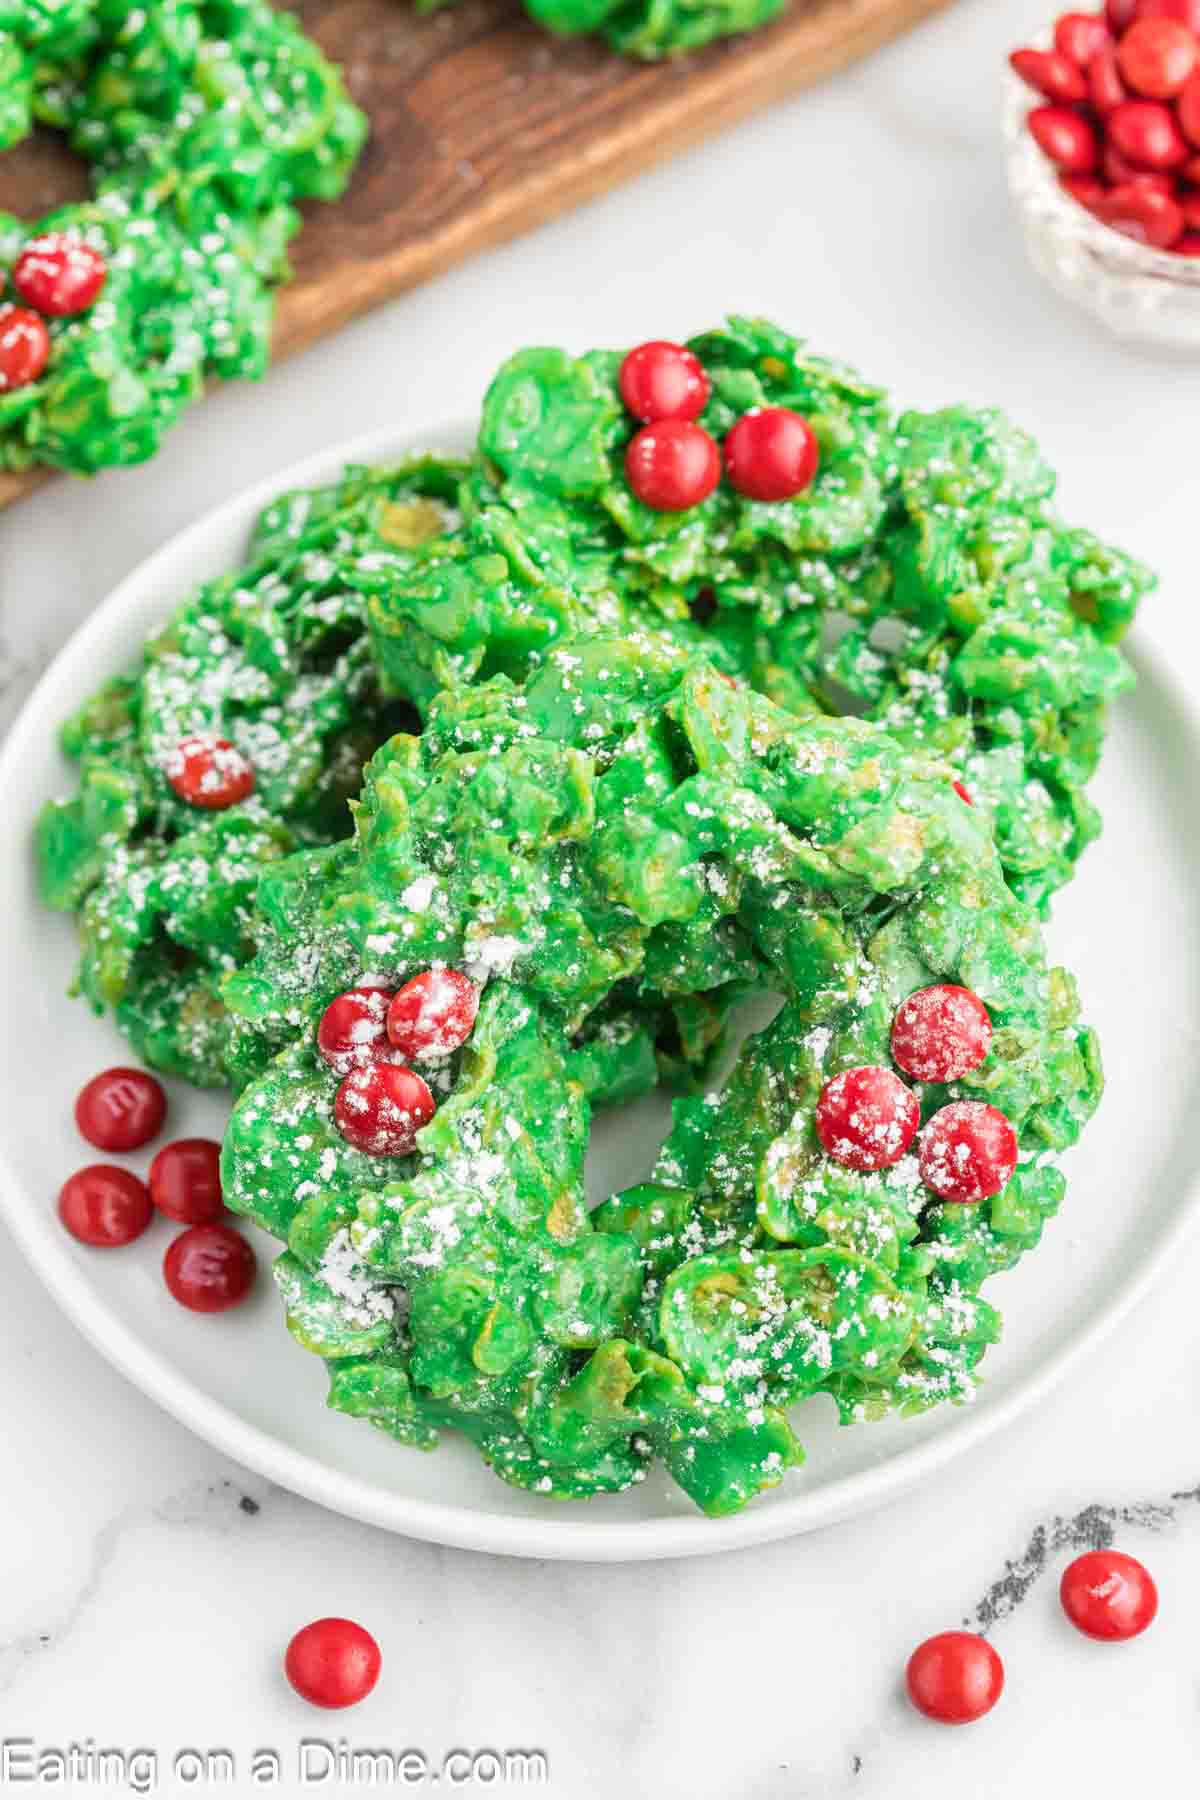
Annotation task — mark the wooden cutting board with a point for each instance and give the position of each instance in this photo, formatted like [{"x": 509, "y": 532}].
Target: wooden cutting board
[{"x": 484, "y": 126}]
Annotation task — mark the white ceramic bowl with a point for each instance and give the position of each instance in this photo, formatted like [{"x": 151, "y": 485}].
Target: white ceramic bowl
[{"x": 1127, "y": 925}]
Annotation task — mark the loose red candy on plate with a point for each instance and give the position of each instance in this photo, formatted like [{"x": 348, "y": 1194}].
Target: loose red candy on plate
[
  {"x": 1108, "y": 1595},
  {"x": 1156, "y": 57},
  {"x": 941, "y": 1033},
  {"x": 661, "y": 380},
  {"x": 771, "y": 454},
  {"x": 185, "y": 1181},
  {"x": 1145, "y": 131},
  {"x": 1065, "y": 137},
  {"x": 955, "y": 1677},
  {"x": 1144, "y": 214},
  {"x": 967, "y": 1152},
  {"x": 353, "y": 1028},
  {"x": 104, "y": 1206},
  {"x": 121, "y": 1109},
  {"x": 1105, "y": 87},
  {"x": 867, "y": 1118},
  {"x": 381, "y": 1108},
  {"x": 60, "y": 274},
  {"x": 1080, "y": 36},
  {"x": 433, "y": 1014},
  {"x": 209, "y": 1268},
  {"x": 209, "y": 772},
  {"x": 24, "y": 347},
  {"x": 333, "y": 1663},
  {"x": 1051, "y": 73},
  {"x": 672, "y": 465}
]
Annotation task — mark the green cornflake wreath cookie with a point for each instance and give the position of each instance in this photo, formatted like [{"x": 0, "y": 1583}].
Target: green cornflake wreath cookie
[
  {"x": 273, "y": 663},
  {"x": 922, "y": 577},
  {"x": 204, "y": 122},
  {"x": 648, "y": 29},
  {"x": 591, "y": 859}
]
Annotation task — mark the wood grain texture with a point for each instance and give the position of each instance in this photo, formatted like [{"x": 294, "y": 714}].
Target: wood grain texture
[{"x": 483, "y": 127}]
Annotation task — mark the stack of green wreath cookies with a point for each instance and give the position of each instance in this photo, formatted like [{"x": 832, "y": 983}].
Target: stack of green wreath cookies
[{"x": 610, "y": 786}]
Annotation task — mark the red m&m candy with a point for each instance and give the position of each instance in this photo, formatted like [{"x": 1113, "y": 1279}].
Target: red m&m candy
[
  {"x": 60, "y": 274},
  {"x": 209, "y": 1268},
  {"x": 660, "y": 380},
  {"x": 353, "y": 1028},
  {"x": 121, "y": 1109},
  {"x": 867, "y": 1118},
  {"x": 209, "y": 772},
  {"x": 955, "y": 1677},
  {"x": 941, "y": 1033},
  {"x": 24, "y": 347},
  {"x": 333, "y": 1663},
  {"x": 672, "y": 465},
  {"x": 381, "y": 1108},
  {"x": 771, "y": 454},
  {"x": 104, "y": 1206},
  {"x": 968, "y": 1152},
  {"x": 185, "y": 1181},
  {"x": 433, "y": 1014},
  {"x": 1109, "y": 1595}
]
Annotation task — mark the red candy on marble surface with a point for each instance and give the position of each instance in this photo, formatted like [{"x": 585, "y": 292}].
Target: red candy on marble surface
[
  {"x": 104, "y": 1206},
  {"x": 380, "y": 1109},
  {"x": 121, "y": 1109},
  {"x": 209, "y": 1268},
  {"x": 333, "y": 1663},
  {"x": 672, "y": 465},
  {"x": 353, "y": 1028},
  {"x": 433, "y": 1014},
  {"x": 867, "y": 1118},
  {"x": 941, "y": 1033},
  {"x": 967, "y": 1152},
  {"x": 209, "y": 772},
  {"x": 955, "y": 1677},
  {"x": 661, "y": 380},
  {"x": 1108, "y": 1595},
  {"x": 59, "y": 274},
  {"x": 185, "y": 1181},
  {"x": 24, "y": 347}
]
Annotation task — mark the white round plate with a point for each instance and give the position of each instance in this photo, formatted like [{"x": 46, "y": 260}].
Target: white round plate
[{"x": 1126, "y": 926}]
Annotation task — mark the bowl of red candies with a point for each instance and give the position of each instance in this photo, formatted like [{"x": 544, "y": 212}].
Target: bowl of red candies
[{"x": 1102, "y": 119}]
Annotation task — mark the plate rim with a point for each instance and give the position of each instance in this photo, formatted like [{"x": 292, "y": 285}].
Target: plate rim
[{"x": 465, "y": 1527}]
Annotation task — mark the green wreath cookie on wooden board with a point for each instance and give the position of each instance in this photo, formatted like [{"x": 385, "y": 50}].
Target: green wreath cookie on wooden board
[
  {"x": 624, "y": 835},
  {"x": 204, "y": 122}
]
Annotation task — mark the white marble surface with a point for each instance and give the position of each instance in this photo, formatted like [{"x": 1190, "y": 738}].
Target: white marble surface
[{"x": 147, "y": 1589}]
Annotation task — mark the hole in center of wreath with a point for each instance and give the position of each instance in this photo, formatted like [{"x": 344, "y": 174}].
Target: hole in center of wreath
[{"x": 625, "y": 1140}]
